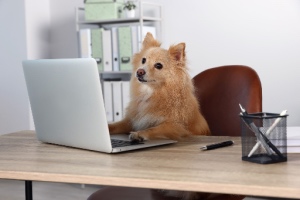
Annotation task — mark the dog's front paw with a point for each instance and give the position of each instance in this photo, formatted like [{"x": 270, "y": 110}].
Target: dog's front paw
[{"x": 134, "y": 136}]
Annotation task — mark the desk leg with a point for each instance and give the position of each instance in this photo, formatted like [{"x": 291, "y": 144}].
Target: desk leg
[{"x": 28, "y": 190}]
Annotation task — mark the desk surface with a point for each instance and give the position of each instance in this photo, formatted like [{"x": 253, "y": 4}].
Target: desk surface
[{"x": 180, "y": 166}]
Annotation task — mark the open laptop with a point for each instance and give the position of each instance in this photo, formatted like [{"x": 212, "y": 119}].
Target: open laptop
[{"x": 67, "y": 105}]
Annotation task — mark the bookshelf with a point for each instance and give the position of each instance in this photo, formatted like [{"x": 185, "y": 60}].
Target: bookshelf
[
  {"x": 148, "y": 14},
  {"x": 112, "y": 79}
]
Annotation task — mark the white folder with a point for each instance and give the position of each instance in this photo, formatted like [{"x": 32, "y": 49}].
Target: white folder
[
  {"x": 85, "y": 43},
  {"x": 146, "y": 29},
  {"x": 125, "y": 95},
  {"x": 117, "y": 100},
  {"x": 115, "y": 48},
  {"x": 135, "y": 39},
  {"x": 108, "y": 100},
  {"x": 107, "y": 50}
]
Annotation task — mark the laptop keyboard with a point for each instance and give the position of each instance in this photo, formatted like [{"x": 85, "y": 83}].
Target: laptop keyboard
[{"x": 123, "y": 143}]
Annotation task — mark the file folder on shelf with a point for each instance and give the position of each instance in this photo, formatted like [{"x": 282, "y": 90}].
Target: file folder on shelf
[
  {"x": 125, "y": 95},
  {"x": 102, "y": 49},
  {"x": 115, "y": 49},
  {"x": 107, "y": 50},
  {"x": 97, "y": 47},
  {"x": 146, "y": 29},
  {"x": 117, "y": 100},
  {"x": 108, "y": 100},
  {"x": 125, "y": 49},
  {"x": 137, "y": 39},
  {"x": 85, "y": 43}
]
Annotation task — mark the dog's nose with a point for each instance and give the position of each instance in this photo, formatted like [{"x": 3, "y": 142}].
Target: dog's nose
[{"x": 140, "y": 72}]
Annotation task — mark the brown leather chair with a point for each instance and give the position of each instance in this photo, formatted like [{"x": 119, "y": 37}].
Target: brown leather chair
[{"x": 219, "y": 91}]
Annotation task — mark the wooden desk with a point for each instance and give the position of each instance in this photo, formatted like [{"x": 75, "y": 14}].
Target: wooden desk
[{"x": 180, "y": 166}]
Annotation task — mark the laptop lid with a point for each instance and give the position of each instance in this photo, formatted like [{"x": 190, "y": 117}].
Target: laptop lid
[{"x": 67, "y": 105}]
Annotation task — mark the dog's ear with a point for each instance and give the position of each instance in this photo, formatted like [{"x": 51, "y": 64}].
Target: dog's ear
[
  {"x": 149, "y": 41},
  {"x": 177, "y": 52}
]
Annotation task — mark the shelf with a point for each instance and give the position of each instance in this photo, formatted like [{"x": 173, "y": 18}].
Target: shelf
[
  {"x": 143, "y": 17},
  {"x": 115, "y": 72},
  {"x": 149, "y": 14},
  {"x": 119, "y": 21}
]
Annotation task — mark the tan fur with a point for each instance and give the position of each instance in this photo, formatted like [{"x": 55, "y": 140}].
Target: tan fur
[{"x": 165, "y": 106}]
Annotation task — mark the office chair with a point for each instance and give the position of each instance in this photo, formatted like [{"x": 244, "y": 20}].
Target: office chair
[{"x": 219, "y": 91}]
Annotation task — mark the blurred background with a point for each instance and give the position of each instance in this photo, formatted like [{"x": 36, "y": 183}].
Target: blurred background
[{"x": 263, "y": 34}]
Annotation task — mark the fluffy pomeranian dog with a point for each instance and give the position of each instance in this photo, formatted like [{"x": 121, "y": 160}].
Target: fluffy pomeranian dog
[{"x": 162, "y": 101}]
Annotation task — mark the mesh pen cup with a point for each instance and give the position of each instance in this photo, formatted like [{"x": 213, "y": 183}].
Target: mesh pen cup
[{"x": 264, "y": 138}]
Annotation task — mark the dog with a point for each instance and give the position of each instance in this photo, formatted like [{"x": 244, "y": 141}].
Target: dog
[{"x": 162, "y": 100}]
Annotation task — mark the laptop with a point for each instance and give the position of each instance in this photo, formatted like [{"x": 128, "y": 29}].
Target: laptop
[{"x": 68, "y": 109}]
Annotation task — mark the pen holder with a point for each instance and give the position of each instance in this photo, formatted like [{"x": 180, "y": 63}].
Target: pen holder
[{"x": 264, "y": 138}]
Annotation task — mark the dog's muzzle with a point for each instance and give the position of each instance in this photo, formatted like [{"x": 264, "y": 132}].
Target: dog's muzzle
[{"x": 140, "y": 73}]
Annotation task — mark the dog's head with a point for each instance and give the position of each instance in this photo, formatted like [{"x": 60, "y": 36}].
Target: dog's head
[{"x": 156, "y": 66}]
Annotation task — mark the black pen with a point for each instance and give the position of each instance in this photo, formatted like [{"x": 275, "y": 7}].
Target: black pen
[{"x": 217, "y": 145}]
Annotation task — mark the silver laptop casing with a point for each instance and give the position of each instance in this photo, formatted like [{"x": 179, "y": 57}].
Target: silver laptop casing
[{"x": 67, "y": 105}]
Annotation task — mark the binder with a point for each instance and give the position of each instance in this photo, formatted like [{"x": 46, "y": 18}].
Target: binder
[
  {"x": 115, "y": 49},
  {"x": 107, "y": 50},
  {"x": 125, "y": 49},
  {"x": 85, "y": 43},
  {"x": 137, "y": 39},
  {"x": 117, "y": 100},
  {"x": 108, "y": 100},
  {"x": 97, "y": 47},
  {"x": 146, "y": 29},
  {"x": 125, "y": 95}
]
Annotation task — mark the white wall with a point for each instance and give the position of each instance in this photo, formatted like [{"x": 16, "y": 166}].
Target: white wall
[
  {"x": 63, "y": 30},
  {"x": 14, "y": 110},
  {"x": 262, "y": 34},
  {"x": 24, "y": 35},
  {"x": 38, "y": 26}
]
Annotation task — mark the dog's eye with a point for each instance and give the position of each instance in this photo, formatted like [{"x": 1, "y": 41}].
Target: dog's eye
[
  {"x": 143, "y": 60},
  {"x": 158, "y": 65}
]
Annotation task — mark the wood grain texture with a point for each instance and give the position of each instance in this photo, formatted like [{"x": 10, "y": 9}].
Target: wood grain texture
[{"x": 180, "y": 166}]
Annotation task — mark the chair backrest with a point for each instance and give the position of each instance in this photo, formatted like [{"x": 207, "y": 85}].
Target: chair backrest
[{"x": 220, "y": 90}]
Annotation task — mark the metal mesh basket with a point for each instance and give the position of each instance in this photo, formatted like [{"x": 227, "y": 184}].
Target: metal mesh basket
[{"x": 264, "y": 138}]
